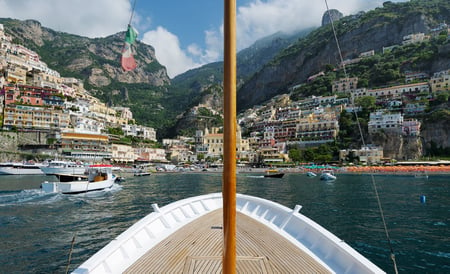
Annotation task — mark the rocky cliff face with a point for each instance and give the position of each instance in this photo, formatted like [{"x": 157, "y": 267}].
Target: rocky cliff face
[
  {"x": 396, "y": 146},
  {"x": 436, "y": 133}
]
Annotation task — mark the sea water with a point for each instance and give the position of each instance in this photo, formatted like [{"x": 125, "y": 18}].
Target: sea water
[{"x": 37, "y": 229}]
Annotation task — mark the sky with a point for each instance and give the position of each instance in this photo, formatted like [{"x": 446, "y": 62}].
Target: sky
[{"x": 185, "y": 33}]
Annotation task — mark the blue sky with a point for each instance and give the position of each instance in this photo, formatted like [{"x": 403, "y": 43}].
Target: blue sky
[{"x": 185, "y": 34}]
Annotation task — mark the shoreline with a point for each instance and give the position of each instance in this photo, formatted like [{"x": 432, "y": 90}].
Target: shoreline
[{"x": 418, "y": 171}]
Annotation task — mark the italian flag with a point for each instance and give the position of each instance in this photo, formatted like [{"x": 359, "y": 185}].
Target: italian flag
[{"x": 127, "y": 60}]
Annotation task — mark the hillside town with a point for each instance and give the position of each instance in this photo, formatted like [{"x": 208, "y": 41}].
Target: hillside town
[{"x": 63, "y": 120}]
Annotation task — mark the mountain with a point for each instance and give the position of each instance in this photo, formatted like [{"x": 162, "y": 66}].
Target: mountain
[
  {"x": 382, "y": 27},
  {"x": 204, "y": 83}
]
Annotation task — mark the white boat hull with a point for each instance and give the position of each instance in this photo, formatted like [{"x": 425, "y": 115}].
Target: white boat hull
[
  {"x": 63, "y": 170},
  {"x": 20, "y": 169},
  {"x": 76, "y": 187},
  {"x": 326, "y": 248},
  {"x": 99, "y": 177},
  {"x": 327, "y": 177}
]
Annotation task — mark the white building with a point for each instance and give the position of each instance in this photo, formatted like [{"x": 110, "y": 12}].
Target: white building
[
  {"x": 143, "y": 132},
  {"x": 81, "y": 123},
  {"x": 385, "y": 121},
  {"x": 123, "y": 153}
]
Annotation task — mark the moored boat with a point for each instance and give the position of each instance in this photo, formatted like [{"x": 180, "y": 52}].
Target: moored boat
[
  {"x": 142, "y": 173},
  {"x": 98, "y": 177},
  {"x": 20, "y": 169},
  {"x": 273, "y": 173},
  {"x": 327, "y": 175},
  {"x": 63, "y": 167}
]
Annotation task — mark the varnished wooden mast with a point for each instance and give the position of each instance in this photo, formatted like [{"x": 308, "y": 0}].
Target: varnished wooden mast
[{"x": 229, "y": 135}]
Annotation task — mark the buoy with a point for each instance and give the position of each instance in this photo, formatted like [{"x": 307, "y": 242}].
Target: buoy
[{"x": 423, "y": 199}]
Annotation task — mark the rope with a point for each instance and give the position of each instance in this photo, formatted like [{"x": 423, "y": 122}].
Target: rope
[
  {"x": 377, "y": 196},
  {"x": 132, "y": 12},
  {"x": 70, "y": 253}
]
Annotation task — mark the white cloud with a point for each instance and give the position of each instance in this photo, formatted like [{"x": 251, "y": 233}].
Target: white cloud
[
  {"x": 91, "y": 18},
  {"x": 262, "y": 18},
  {"x": 168, "y": 51}
]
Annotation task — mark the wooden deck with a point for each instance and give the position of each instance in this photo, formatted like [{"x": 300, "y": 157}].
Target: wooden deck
[{"x": 198, "y": 249}]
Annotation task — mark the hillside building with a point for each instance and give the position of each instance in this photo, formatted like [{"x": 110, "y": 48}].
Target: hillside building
[
  {"x": 440, "y": 81},
  {"x": 33, "y": 117},
  {"x": 366, "y": 155},
  {"x": 380, "y": 120}
]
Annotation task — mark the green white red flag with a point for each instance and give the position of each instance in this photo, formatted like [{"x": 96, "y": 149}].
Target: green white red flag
[{"x": 127, "y": 60}]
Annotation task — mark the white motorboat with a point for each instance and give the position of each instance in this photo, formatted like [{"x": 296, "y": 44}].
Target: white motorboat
[
  {"x": 98, "y": 177},
  {"x": 63, "y": 167},
  {"x": 20, "y": 169},
  {"x": 327, "y": 175}
]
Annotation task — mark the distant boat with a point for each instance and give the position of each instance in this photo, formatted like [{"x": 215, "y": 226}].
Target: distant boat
[
  {"x": 273, "y": 173},
  {"x": 421, "y": 175},
  {"x": 63, "y": 167},
  {"x": 327, "y": 175},
  {"x": 98, "y": 177},
  {"x": 20, "y": 169},
  {"x": 311, "y": 174},
  {"x": 142, "y": 173}
]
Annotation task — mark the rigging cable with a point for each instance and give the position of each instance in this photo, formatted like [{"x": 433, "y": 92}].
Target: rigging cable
[
  {"x": 377, "y": 196},
  {"x": 132, "y": 12}
]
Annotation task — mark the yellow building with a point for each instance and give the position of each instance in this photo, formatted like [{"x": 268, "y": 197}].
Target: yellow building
[
  {"x": 30, "y": 117},
  {"x": 214, "y": 142},
  {"x": 85, "y": 146},
  {"x": 440, "y": 81}
]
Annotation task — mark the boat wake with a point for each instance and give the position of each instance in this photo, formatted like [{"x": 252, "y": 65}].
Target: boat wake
[
  {"x": 28, "y": 196},
  {"x": 37, "y": 196},
  {"x": 255, "y": 176}
]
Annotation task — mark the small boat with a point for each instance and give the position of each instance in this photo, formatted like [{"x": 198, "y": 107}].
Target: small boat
[
  {"x": 273, "y": 173},
  {"x": 421, "y": 175},
  {"x": 327, "y": 175},
  {"x": 20, "y": 169},
  {"x": 98, "y": 177},
  {"x": 311, "y": 174},
  {"x": 142, "y": 173},
  {"x": 63, "y": 167}
]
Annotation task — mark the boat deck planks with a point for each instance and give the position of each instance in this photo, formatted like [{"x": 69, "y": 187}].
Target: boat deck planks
[{"x": 197, "y": 248}]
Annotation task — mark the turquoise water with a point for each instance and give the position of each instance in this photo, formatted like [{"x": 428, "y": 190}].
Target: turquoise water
[{"x": 36, "y": 229}]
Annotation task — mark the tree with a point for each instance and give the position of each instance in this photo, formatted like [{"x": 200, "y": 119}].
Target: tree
[
  {"x": 367, "y": 103},
  {"x": 308, "y": 155},
  {"x": 295, "y": 155}
]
